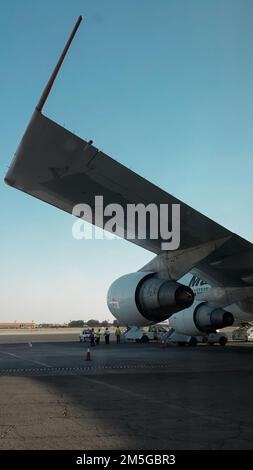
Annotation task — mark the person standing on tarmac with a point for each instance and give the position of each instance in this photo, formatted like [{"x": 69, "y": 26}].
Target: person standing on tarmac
[
  {"x": 92, "y": 337},
  {"x": 118, "y": 334},
  {"x": 107, "y": 336},
  {"x": 98, "y": 336}
]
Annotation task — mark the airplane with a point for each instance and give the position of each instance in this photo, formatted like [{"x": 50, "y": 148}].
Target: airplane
[{"x": 204, "y": 285}]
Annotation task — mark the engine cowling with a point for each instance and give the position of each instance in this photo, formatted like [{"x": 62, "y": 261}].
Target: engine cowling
[
  {"x": 203, "y": 318},
  {"x": 141, "y": 298}
]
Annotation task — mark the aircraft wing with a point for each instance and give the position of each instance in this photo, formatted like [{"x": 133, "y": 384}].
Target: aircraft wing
[{"x": 58, "y": 167}]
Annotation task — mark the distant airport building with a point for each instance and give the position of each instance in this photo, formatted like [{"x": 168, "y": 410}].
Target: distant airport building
[{"x": 16, "y": 325}]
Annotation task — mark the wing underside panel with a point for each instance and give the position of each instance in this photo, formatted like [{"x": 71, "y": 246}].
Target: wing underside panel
[{"x": 62, "y": 169}]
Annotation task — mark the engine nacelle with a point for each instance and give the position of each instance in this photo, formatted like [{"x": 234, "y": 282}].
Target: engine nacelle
[
  {"x": 142, "y": 298},
  {"x": 204, "y": 318}
]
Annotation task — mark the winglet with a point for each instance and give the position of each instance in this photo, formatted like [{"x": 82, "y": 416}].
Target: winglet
[{"x": 57, "y": 67}]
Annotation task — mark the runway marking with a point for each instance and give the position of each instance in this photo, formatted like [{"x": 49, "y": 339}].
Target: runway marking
[{"x": 24, "y": 359}]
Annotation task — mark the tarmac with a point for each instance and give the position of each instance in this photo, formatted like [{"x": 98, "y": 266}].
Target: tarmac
[{"x": 129, "y": 396}]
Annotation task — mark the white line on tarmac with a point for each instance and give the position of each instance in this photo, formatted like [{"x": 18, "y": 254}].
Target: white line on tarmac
[
  {"x": 25, "y": 359},
  {"x": 152, "y": 400}
]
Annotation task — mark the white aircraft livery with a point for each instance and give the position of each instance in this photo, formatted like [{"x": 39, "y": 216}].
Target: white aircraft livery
[{"x": 204, "y": 285}]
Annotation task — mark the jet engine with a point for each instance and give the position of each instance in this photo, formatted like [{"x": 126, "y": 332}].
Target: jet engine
[
  {"x": 142, "y": 298},
  {"x": 203, "y": 318}
]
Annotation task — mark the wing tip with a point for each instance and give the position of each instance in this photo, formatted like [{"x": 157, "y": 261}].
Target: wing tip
[{"x": 9, "y": 181}]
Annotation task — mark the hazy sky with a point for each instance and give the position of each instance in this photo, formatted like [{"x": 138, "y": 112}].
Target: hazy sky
[{"x": 163, "y": 86}]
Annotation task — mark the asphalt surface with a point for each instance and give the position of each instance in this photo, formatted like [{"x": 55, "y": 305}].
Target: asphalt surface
[
  {"x": 129, "y": 396},
  {"x": 37, "y": 337}
]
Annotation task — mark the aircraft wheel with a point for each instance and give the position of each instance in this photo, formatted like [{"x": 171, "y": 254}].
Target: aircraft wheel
[
  {"x": 223, "y": 341},
  {"x": 193, "y": 341},
  {"x": 144, "y": 339}
]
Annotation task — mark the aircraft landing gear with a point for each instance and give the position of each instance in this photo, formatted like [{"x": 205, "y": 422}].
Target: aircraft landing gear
[{"x": 223, "y": 341}]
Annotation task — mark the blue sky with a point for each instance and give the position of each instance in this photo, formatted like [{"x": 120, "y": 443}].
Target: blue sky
[{"x": 163, "y": 86}]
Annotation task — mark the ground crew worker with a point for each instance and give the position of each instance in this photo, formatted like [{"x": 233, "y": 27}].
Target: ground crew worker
[
  {"x": 118, "y": 334},
  {"x": 92, "y": 337},
  {"x": 98, "y": 336},
  {"x": 107, "y": 336}
]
